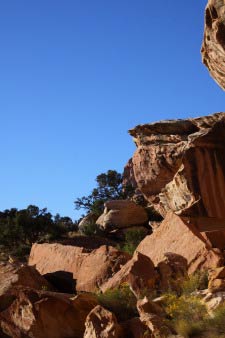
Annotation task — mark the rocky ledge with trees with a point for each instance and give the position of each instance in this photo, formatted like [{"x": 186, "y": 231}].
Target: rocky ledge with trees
[{"x": 147, "y": 260}]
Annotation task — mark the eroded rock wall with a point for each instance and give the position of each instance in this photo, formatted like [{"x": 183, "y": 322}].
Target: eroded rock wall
[
  {"x": 213, "y": 47},
  {"x": 179, "y": 165}
]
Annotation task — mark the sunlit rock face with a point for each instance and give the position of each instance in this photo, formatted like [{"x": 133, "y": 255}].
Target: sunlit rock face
[
  {"x": 179, "y": 165},
  {"x": 213, "y": 47}
]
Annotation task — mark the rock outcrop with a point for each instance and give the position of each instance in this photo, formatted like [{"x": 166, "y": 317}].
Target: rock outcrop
[
  {"x": 139, "y": 273},
  {"x": 101, "y": 323},
  {"x": 15, "y": 274},
  {"x": 213, "y": 47},
  {"x": 30, "y": 313},
  {"x": 177, "y": 237},
  {"x": 179, "y": 165},
  {"x": 119, "y": 214},
  {"x": 88, "y": 270}
]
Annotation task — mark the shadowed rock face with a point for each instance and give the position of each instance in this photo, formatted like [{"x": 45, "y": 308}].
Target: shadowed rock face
[
  {"x": 213, "y": 47},
  {"x": 179, "y": 165}
]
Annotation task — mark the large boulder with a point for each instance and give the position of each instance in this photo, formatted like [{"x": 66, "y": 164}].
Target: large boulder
[
  {"x": 87, "y": 270},
  {"x": 15, "y": 274},
  {"x": 178, "y": 237},
  {"x": 88, "y": 220},
  {"x": 153, "y": 320},
  {"x": 213, "y": 47},
  {"x": 139, "y": 273},
  {"x": 30, "y": 313},
  {"x": 122, "y": 214},
  {"x": 101, "y": 323},
  {"x": 179, "y": 165}
]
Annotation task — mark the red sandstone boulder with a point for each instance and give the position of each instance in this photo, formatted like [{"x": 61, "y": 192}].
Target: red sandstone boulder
[
  {"x": 40, "y": 314},
  {"x": 155, "y": 323},
  {"x": 121, "y": 214},
  {"x": 213, "y": 47},
  {"x": 19, "y": 274},
  {"x": 101, "y": 323},
  {"x": 139, "y": 273},
  {"x": 88, "y": 269},
  {"x": 172, "y": 270},
  {"x": 98, "y": 267},
  {"x": 175, "y": 236}
]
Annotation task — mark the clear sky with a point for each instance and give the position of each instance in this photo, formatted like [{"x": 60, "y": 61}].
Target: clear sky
[{"x": 75, "y": 75}]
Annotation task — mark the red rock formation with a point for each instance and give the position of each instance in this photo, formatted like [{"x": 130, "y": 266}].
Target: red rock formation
[
  {"x": 175, "y": 236},
  {"x": 213, "y": 47},
  {"x": 89, "y": 269},
  {"x": 122, "y": 214},
  {"x": 40, "y": 314},
  {"x": 152, "y": 320},
  {"x": 101, "y": 323},
  {"x": 180, "y": 166},
  {"x": 18, "y": 274},
  {"x": 139, "y": 273}
]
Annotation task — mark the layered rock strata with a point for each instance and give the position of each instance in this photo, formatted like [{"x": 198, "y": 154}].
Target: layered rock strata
[
  {"x": 213, "y": 47},
  {"x": 179, "y": 166}
]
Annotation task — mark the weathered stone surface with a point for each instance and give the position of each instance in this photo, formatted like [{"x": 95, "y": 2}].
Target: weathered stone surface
[
  {"x": 218, "y": 273},
  {"x": 19, "y": 274},
  {"x": 88, "y": 269},
  {"x": 101, "y": 323},
  {"x": 175, "y": 236},
  {"x": 153, "y": 321},
  {"x": 40, "y": 314},
  {"x": 139, "y": 273},
  {"x": 122, "y": 214},
  {"x": 134, "y": 328},
  {"x": 213, "y": 300},
  {"x": 172, "y": 270},
  {"x": 98, "y": 267},
  {"x": 179, "y": 165},
  {"x": 216, "y": 285},
  {"x": 213, "y": 47}
]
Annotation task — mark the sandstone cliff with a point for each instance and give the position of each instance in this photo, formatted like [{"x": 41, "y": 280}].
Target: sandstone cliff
[
  {"x": 213, "y": 47},
  {"x": 179, "y": 165}
]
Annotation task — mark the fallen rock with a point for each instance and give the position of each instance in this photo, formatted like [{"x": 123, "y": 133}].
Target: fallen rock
[
  {"x": 19, "y": 274},
  {"x": 177, "y": 237},
  {"x": 98, "y": 267},
  {"x": 101, "y": 323},
  {"x": 139, "y": 273},
  {"x": 172, "y": 270},
  {"x": 41, "y": 314},
  {"x": 213, "y": 300},
  {"x": 213, "y": 47},
  {"x": 179, "y": 166},
  {"x": 147, "y": 306},
  {"x": 121, "y": 214},
  {"x": 87, "y": 270},
  {"x": 154, "y": 322}
]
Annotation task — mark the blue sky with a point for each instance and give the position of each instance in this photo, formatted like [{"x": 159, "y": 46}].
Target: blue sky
[{"x": 75, "y": 75}]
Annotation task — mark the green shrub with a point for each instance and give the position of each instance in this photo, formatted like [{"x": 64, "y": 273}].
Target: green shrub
[
  {"x": 194, "y": 282},
  {"x": 121, "y": 301},
  {"x": 132, "y": 240},
  {"x": 91, "y": 229},
  {"x": 188, "y": 328}
]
